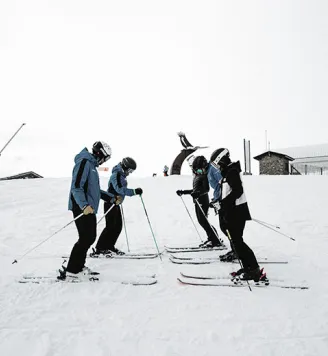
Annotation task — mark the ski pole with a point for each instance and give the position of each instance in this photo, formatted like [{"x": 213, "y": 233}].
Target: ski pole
[
  {"x": 278, "y": 232},
  {"x": 241, "y": 265},
  {"x": 11, "y": 138},
  {"x": 215, "y": 232},
  {"x": 126, "y": 234},
  {"x": 192, "y": 220},
  {"x": 106, "y": 213},
  {"x": 15, "y": 261},
  {"x": 159, "y": 254},
  {"x": 263, "y": 222}
]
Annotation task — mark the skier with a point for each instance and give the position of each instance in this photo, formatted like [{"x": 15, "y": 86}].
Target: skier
[
  {"x": 84, "y": 198},
  {"x": 117, "y": 186},
  {"x": 200, "y": 194},
  {"x": 233, "y": 212},
  {"x": 214, "y": 178}
]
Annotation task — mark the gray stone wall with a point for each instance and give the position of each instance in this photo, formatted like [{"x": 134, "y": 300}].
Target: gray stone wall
[{"x": 274, "y": 165}]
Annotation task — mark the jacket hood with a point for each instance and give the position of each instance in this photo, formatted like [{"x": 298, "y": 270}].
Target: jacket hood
[
  {"x": 85, "y": 154},
  {"x": 230, "y": 167},
  {"x": 236, "y": 166},
  {"x": 118, "y": 168}
]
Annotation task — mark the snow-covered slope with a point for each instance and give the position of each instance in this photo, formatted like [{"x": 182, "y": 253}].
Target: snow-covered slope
[{"x": 167, "y": 319}]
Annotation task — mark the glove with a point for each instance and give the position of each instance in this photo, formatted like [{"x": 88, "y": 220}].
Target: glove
[
  {"x": 118, "y": 200},
  {"x": 215, "y": 204},
  {"x": 138, "y": 191},
  {"x": 88, "y": 210},
  {"x": 180, "y": 192},
  {"x": 195, "y": 195}
]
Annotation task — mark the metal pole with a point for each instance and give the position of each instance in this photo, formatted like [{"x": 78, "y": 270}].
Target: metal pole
[
  {"x": 106, "y": 213},
  {"x": 269, "y": 227},
  {"x": 42, "y": 242},
  {"x": 151, "y": 229},
  {"x": 11, "y": 138},
  {"x": 249, "y": 156},
  {"x": 245, "y": 156},
  {"x": 192, "y": 220},
  {"x": 215, "y": 232},
  {"x": 126, "y": 233},
  {"x": 240, "y": 263}
]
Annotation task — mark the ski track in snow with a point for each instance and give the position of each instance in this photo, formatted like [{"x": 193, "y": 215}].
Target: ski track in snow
[{"x": 110, "y": 319}]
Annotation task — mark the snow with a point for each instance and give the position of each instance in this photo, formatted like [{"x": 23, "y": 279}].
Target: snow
[{"x": 167, "y": 319}]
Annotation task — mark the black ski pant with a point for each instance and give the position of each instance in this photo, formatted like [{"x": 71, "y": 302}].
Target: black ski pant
[
  {"x": 87, "y": 230},
  {"x": 111, "y": 232},
  {"x": 203, "y": 222},
  {"x": 236, "y": 226}
]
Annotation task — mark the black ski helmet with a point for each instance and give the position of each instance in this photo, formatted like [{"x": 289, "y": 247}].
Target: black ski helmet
[
  {"x": 129, "y": 165},
  {"x": 221, "y": 157},
  {"x": 199, "y": 165},
  {"x": 102, "y": 151}
]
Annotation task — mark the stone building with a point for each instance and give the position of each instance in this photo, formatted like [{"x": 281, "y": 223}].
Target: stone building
[{"x": 274, "y": 163}]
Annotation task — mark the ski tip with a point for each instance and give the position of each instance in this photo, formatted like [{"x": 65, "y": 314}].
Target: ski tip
[
  {"x": 150, "y": 283},
  {"x": 180, "y": 281}
]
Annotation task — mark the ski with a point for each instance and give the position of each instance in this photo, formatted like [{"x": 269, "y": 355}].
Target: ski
[
  {"x": 216, "y": 277},
  {"x": 194, "y": 249},
  {"x": 214, "y": 259},
  {"x": 140, "y": 281},
  {"x": 225, "y": 283},
  {"x": 127, "y": 257},
  {"x": 51, "y": 280},
  {"x": 191, "y": 262},
  {"x": 206, "y": 262},
  {"x": 122, "y": 257}
]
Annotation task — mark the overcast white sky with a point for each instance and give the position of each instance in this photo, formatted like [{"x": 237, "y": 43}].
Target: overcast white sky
[{"x": 134, "y": 73}]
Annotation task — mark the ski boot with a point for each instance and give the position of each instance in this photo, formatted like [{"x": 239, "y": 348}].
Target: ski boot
[
  {"x": 98, "y": 253},
  {"x": 116, "y": 251},
  {"x": 85, "y": 275},
  {"x": 62, "y": 274},
  {"x": 237, "y": 273},
  {"x": 88, "y": 271},
  {"x": 229, "y": 257},
  {"x": 204, "y": 243},
  {"x": 257, "y": 275}
]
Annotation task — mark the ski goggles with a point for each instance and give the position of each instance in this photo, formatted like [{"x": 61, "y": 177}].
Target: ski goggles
[
  {"x": 103, "y": 160},
  {"x": 106, "y": 158},
  {"x": 129, "y": 170}
]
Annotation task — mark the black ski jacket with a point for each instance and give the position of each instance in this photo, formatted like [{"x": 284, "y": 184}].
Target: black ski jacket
[
  {"x": 200, "y": 189},
  {"x": 234, "y": 204}
]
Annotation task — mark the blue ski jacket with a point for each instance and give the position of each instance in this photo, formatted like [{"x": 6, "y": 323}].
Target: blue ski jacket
[
  {"x": 85, "y": 187},
  {"x": 214, "y": 176},
  {"x": 118, "y": 185}
]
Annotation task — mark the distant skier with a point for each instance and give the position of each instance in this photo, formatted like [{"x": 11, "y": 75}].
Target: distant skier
[
  {"x": 166, "y": 171},
  {"x": 84, "y": 198},
  {"x": 200, "y": 193},
  {"x": 233, "y": 212},
  {"x": 117, "y": 186}
]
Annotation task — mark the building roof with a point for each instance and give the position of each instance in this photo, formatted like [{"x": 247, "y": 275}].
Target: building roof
[
  {"x": 306, "y": 151},
  {"x": 30, "y": 174},
  {"x": 269, "y": 153}
]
